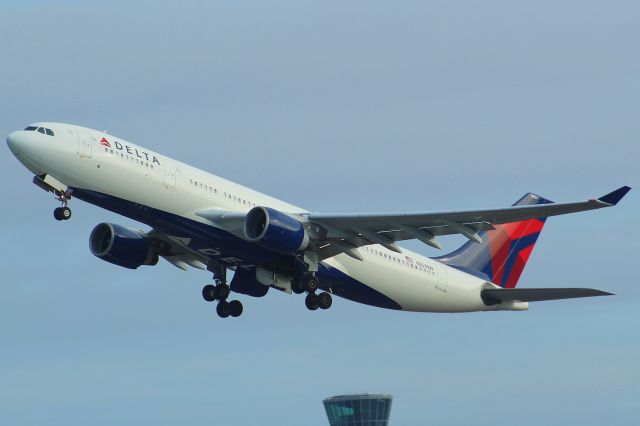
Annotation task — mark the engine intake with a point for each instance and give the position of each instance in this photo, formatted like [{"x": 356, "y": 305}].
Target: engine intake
[
  {"x": 121, "y": 246},
  {"x": 275, "y": 230}
]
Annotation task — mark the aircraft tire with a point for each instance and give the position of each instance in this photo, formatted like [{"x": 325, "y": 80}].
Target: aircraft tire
[
  {"x": 223, "y": 291},
  {"x": 311, "y": 283},
  {"x": 297, "y": 286},
  {"x": 324, "y": 300},
  {"x": 223, "y": 309},
  {"x": 65, "y": 213},
  {"x": 311, "y": 301},
  {"x": 209, "y": 293},
  {"x": 235, "y": 308}
]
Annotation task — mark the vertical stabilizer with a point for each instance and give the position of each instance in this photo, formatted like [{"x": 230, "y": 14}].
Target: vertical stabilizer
[{"x": 503, "y": 253}]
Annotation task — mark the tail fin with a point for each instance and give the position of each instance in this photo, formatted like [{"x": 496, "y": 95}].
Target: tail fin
[{"x": 504, "y": 252}]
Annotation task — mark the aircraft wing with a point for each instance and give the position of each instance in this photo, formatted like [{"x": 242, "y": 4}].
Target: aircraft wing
[
  {"x": 498, "y": 295},
  {"x": 346, "y": 232}
]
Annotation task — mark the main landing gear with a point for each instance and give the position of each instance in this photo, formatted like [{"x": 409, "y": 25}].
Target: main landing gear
[
  {"x": 220, "y": 292},
  {"x": 313, "y": 301},
  {"x": 64, "y": 212}
]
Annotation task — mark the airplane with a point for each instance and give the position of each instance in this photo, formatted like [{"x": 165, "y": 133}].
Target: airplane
[{"x": 203, "y": 221}]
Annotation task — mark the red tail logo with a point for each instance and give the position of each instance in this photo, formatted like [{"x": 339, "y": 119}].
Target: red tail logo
[{"x": 105, "y": 142}]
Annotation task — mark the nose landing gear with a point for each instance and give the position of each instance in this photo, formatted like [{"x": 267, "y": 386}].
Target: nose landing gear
[{"x": 64, "y": 212}]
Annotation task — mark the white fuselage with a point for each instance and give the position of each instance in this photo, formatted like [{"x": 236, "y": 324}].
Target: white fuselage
[{"x": 76, "y": 157}]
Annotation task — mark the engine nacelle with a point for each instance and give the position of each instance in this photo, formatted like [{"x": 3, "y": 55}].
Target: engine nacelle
[
  {"x": 275, "y": 230},
  {"x": 121, "y": 246}
]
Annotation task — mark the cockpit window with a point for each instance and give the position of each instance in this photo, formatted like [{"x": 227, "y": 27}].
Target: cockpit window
[{"x": 42, "y": 130}]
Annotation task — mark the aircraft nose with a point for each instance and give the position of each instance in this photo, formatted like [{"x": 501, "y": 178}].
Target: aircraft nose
[{"x": 14, "y": 139}]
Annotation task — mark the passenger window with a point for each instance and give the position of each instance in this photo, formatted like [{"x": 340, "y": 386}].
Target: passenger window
[
  {"x": 41, "y": 130},
  {"x": 49, "y": 132}
]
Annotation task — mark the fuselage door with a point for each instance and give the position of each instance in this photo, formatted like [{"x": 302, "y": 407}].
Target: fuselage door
[
  {"x": 169, "y": 175},
  {"x": 84, "y": 145},
  {"x": 441, "y": 283}
]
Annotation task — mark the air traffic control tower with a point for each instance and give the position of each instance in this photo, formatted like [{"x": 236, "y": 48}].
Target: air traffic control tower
[{"x": 358, "y": 410}]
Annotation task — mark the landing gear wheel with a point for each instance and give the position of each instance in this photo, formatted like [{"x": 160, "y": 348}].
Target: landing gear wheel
[
  {"x": 223, "y": 309},
  {"x": 223, "y": 291},
  {"x": 209, "y": 293},
  {"x": 311, "y": 283},
  {"x": 297, "y": 286},
  {"x": 311, "y": 301},
  {"x": 235, "y": 308},
  {"x": 324, "y": 300},
  {"x": 66, "y": 213},
  {"x": 62, "y": 213}
]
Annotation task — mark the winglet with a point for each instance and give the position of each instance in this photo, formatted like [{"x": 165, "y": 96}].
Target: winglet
[{"x": 614, "y": 197}]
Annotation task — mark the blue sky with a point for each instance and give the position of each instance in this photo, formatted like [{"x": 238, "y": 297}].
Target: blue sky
[{"x": 337, "y": 107}]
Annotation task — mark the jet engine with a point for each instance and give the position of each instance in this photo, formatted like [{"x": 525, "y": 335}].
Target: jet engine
[
  {"x": 275, "y": 231},
  {"x": 121, "y": 246}
]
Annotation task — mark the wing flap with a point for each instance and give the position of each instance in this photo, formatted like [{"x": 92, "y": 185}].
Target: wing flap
[{"x": 334, "y": 246}]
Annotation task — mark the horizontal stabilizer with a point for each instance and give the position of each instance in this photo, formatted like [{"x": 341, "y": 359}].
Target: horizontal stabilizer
[{"x": 495, "y": 296}]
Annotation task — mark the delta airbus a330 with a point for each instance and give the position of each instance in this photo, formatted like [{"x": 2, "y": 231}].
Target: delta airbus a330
[{"x": 203, "y": 221}]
